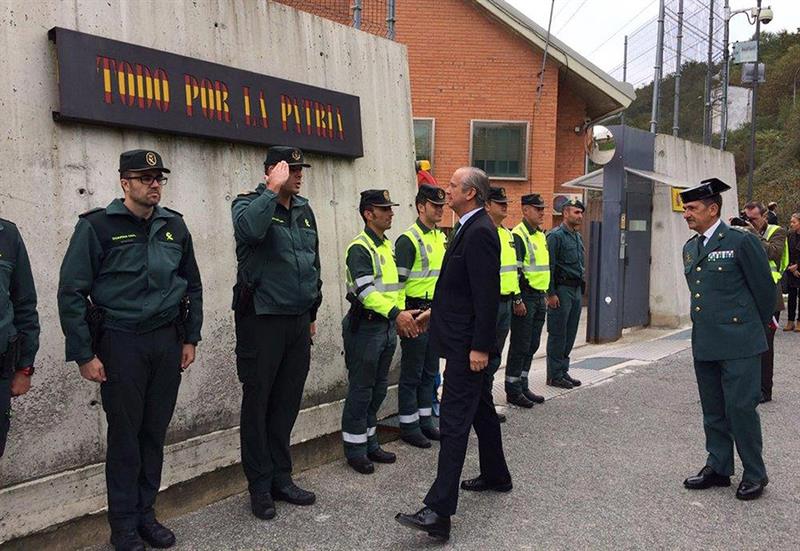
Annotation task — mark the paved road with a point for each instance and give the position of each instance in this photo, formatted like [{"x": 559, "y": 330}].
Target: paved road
[{"x": 597, "y": 468}]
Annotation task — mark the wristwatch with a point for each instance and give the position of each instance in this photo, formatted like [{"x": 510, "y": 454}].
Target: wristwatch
[{"x": 517, "y": 301}]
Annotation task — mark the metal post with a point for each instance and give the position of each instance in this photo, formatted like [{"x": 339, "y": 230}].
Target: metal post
[
  {"x": 357, "y": 14},
  {"x": 390, "y": 20},
  {"x": 658, "y": 70},
  {"x": 726, "y": 70},
  {"x": 752, "y": 163},
  {"x": 676, "y": 107},
  {"x": 794, "y": 89},
  {"x": 624, "y": 74},
  {"x": 707, "y": 112}
]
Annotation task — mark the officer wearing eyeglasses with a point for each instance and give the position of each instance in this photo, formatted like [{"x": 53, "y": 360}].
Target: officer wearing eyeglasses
[{"x": 130, "y": 304}]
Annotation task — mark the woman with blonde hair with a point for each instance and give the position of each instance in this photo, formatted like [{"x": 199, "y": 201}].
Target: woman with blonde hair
[{"x": 793, "y": 272}]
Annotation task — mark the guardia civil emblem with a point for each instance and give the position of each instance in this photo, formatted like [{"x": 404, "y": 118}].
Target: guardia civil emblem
[
  {"x": 440, "y": 194},
  {"x": 687, "y": 258},
  {"x": 296, "y": 155},
  {"x": 150, "y": 158},
  {"x": 386, "y": 194}
]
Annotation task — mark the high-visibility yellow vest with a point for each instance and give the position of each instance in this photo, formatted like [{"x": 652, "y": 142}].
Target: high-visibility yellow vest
[
  {"x": 383, "y": 291},
  {"x": 778, "y": 269},
  {"x": 429, "y": 250},
  {"x": 509, "y": 283},
  {"x": 536, "y": 264}
]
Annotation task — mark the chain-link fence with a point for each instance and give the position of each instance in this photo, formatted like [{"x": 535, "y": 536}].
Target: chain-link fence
[{"x": 373, "y": 16}]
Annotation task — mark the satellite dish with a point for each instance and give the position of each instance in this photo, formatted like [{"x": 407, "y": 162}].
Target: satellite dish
[{"x": 600, "y": 144}]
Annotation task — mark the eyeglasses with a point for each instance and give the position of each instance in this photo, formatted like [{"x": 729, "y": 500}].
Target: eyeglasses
[{"x": 148, "y": 180}]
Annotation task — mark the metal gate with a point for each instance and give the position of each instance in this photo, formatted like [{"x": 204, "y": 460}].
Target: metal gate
[{"x": 635, "y": 250}]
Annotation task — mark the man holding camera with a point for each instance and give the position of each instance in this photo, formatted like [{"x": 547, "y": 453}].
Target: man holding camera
[{"x": 130, "y": 303}]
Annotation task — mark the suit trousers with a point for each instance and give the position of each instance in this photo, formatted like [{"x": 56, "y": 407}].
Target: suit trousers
[
  {"x": 526, "y": 333},
  {"x": 143, "y": 374},
  {"x": 466, "y": 402},
  {"x": 768, "y": 361},
  {"x": 729, "y": 394},
  {"x": 562, "y": 327},
  {"x": 418, "y": 368},
  {"x": 273, "y": 354},
  {"x": 368, "y": 355},
  {"x": 5, "y": 411}
]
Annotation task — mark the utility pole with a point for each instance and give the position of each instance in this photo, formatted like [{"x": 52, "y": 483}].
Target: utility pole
[
  {"x": 390, "y": 19},
  {"x": 357, "y": 14},
  {"x": 707, "y": 112},
  {"x": 625, "y": 72},
  {"x": 726, "y": 71},
  {"x": 658, "y": 70},
  {"x": 752, "y": 163},
  {"x": 676, "y": 108}
]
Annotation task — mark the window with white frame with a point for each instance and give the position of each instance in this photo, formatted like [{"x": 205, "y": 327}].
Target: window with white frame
[{"x": 499, "y": 148}]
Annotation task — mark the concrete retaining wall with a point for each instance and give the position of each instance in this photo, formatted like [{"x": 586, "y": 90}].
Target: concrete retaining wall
[
  {"x": 690, "y": 163},
  {"x": 52, "y": 470}
]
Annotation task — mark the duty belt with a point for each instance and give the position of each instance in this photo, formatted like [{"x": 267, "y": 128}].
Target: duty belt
[
  {"x": 569, "y": 281},
  {"x": 413, "y": 303},
  {"x": 506, "y": 298}
]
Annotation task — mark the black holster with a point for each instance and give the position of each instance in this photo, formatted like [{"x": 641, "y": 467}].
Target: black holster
[
  {"x": 243, "y": 298},
  {"x": 95, "y": 319},
  {"x": 10, "y": 359},
  {"x": 183, "y": 317},
  {"x": 355, "y": 313}
]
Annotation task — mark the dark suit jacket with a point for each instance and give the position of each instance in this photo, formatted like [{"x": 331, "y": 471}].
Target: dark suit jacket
[{"x": 467, "y": 294}]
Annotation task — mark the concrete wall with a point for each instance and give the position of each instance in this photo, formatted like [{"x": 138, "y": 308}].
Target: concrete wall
[
  {"x": 52, "y": 470},
  {"x": 689, "y": 163}
]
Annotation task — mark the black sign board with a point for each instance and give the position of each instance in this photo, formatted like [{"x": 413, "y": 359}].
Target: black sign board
[{"x": 113, "y": 83}]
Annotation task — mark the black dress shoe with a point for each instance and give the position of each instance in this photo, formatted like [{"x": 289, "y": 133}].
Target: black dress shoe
[
  {"x": 415, "y": 439},
  {"x": 126, "y": 540},
  {"x": 705, "y": 479},
  {"x": 382, "y": 456},
  {"x": 293, "y": 494},
  {"x": 519, "y": 400},
  {"x": 560, "y": 383},
  {"x": 480, "y": 484},
  {"x": 432, "y": 433},
  {"x": 262, "y": 506},
  {"x": 535, "y": 398},
  {"x": 749, "y": 489},
  {"x": 575, "y": 382},
  {"x": 156, "y": 534},
  {"x": 427, "y": 521},
  {"x": 361, "y": 464},
  {"x": 501, "y": 417}
]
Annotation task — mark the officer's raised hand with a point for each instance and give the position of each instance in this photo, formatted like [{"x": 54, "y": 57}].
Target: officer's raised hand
[
  {"x": 93, "y": 370},
  {"x": 277, "y": 177},
  {"x": 187, "y": 356},
  {"x": 20, "y": 384},
  {"x": 406, "y": 324}
]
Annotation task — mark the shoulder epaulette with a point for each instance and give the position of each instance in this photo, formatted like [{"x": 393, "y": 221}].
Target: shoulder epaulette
[
  {"x": 739, "y": 229},
  {"x": 9, "y": 222},
  {"x": 88, "y": 212},
  {"x": 173, "y": 211},
  {"x": 692, "y": 237},
  {"x": 247, "y": 193}
]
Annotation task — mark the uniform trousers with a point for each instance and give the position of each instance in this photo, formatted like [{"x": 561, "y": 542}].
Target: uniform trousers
[
  {"x": 273, "y": 354},
  {"x": 562, "y": 327},
  {"x": 368, "y": 354},
  {"x": 768, "y": 361},
  {"x": 418, "y": 368},
  {"x": 143, "y": 374},
  {"x": 466, "y": 402},
  {"x": 504, "y": 314},
  {"x": 526, "y": 334},
  {"x": 729, "y": 394},
  {"x": 5, "y": 411}
]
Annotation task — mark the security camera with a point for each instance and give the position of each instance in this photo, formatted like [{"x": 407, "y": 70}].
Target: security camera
[{"x": 766, "y": 15}]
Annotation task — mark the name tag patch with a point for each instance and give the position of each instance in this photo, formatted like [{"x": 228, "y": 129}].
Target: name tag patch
[{"x": 720, "y": 255}]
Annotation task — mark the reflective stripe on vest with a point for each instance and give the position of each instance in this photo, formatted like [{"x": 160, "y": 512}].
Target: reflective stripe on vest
[
  {"x": 536, "y": 264},
  {"x": 429, "y": 250},
  {"x": 385, "y": 279},
  {"x": 777, "y": 270},
  {"x": 509, "y": 284}
]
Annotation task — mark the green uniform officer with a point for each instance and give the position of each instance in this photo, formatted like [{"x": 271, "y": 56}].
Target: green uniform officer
[
  {"x": 732, "y": 298},
  {"x": 130, "y": 303},
  {"x": 419, "y": 251},
  {"x": 19, "y": 323},
  {"x": 369, "y": 330},
  {"x": 276, "y": 297},
  {"x": 526, "y": 327},
  {"x": 564, "y": 294}
]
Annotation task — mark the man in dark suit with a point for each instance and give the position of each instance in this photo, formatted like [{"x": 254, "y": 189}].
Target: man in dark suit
[
  {"x": 732, "y": 297},
  {"x": 462, "y": 328}
]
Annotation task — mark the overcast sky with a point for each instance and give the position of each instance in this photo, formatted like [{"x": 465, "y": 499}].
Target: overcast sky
[{"x": 596, "y": 28}]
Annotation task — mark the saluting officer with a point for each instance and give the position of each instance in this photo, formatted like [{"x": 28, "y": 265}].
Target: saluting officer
[
  {"x": 530, "y": 309},
  {"x": 277, "y": 294},
  {"x": 130, "y": 303},
  {"x": 419, "y": 250},
  {"x": 369, "y": 330},
  {"x": 732, "y": 297},
  {"x": 565, "y": 293},
  {"x": 19, "y": 323}
]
